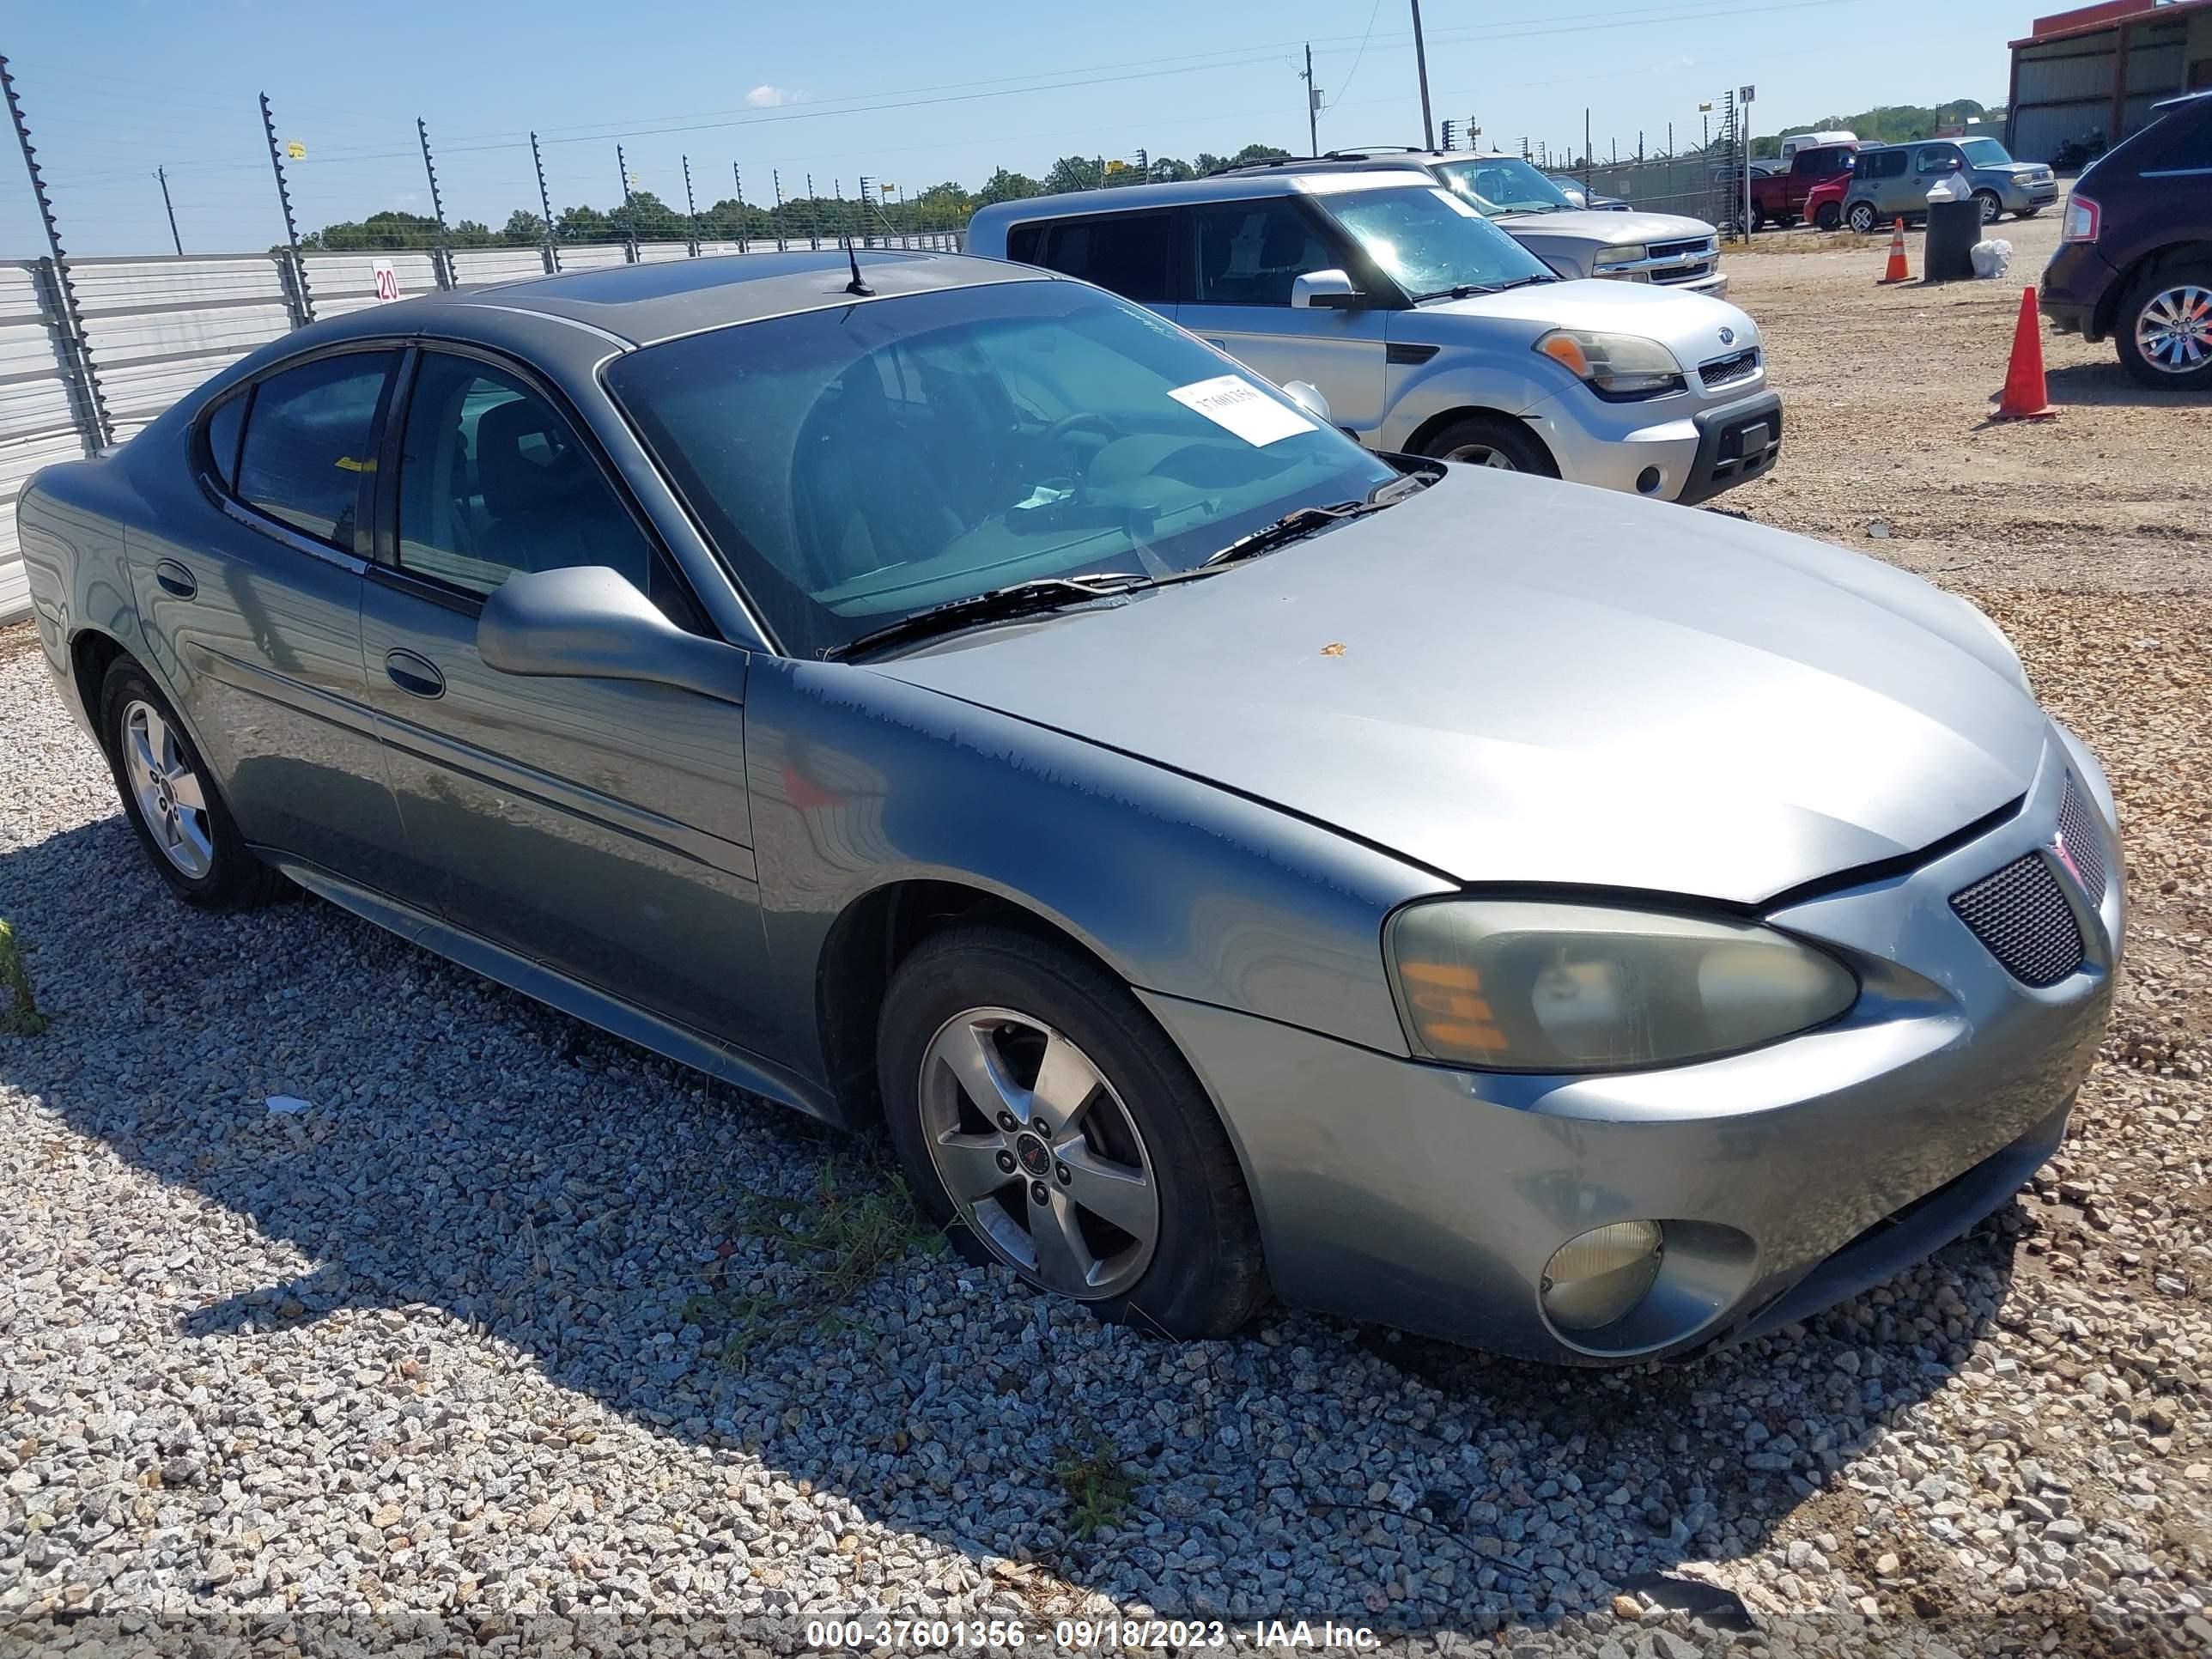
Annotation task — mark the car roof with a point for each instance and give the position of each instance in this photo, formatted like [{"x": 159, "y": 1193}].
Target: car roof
[
  {"x": 2187, "y": 101},
  {"x": 641, "y": 304},
  {"x": 1314, "y": 178}
]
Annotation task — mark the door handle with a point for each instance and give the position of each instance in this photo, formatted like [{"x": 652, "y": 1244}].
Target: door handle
[
  {"x": 176, "y": 579},
  {"x": 417, "y": 676}
]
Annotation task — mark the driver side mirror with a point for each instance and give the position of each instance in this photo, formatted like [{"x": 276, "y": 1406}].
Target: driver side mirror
[
  {"x": 587, "y": 622},
  {"x": 1308, "y": 396},
  {"x": 1326, "y": 291}
]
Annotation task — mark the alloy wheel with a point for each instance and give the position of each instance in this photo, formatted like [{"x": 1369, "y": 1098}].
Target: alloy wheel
[
  {"x": 1039, "y": 1154},
  {"x": 171, "y": 798},
  {"x": 2173, "y": 330},
  {"x": 1481, "y": 455},
  {"x": 1992, "y": 208},
  {"x": 1862, "y": 218}
]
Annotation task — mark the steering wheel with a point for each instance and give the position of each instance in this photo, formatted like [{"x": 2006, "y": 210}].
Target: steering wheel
[{"x": 1076, "y": 423}]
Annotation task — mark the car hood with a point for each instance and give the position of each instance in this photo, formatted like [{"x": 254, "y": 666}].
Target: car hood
[
  {"x": 1509, "y": 679},
  {"x": 1688, "y": 324},
  {"x": 1604, "y": 225}
]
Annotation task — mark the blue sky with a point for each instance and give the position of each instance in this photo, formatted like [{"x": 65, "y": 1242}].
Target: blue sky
[{"x": 113, "y": 87}]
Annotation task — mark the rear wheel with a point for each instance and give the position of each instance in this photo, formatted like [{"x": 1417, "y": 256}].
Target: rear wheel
[
  {"x": 2164, "y": 331},
  {"x": 1050, "y": 1127},
  {"x": 1757, "y": 220},
  {"x": 1493, "y": 441},
  {"x": 1862, "y": 217},
  {"x": 170, "y": 797}
]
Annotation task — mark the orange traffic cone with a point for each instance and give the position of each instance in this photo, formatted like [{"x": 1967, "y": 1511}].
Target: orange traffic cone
[
  {"x": 2024, "y": 398},
  {"x": 1897, "y": 271}
]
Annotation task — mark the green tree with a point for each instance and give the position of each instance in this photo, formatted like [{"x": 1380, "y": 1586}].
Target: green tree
[
  {"x": 1004, "y": 186},
  {"x": 523, "y": 229},
  {"x": 470, "y": 233},
  {"x": 1073, "y": 172},
  {"x": 585, "y": 224},
  {"x": 1166, "y": 170}
]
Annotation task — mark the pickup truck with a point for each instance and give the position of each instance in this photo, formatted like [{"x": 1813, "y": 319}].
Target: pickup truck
[{"x": 1779, "y": 198}]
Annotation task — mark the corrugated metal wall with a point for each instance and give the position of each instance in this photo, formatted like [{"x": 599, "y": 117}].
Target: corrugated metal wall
[{"x": 156, "y": 327}]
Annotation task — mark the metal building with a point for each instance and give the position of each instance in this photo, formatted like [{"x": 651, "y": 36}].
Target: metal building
[{"x": 2100, "y": 68}]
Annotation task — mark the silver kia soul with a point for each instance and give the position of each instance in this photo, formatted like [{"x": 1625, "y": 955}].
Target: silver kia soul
[{"x": 1427, "y": 330}]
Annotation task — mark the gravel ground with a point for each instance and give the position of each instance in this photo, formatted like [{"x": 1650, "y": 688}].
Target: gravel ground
[{"x": 518, "y": 1331}]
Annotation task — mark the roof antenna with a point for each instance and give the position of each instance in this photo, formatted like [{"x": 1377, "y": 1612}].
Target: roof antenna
[{"x": 856, "y": 286}]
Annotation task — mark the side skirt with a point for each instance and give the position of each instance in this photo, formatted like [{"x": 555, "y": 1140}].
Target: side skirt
[{"x": 593, "y": 1006}]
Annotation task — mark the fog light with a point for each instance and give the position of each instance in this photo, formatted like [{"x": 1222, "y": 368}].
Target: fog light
[
  {"x": 1597, "y": 1277},
  {"x": 1648, "y": 480}
]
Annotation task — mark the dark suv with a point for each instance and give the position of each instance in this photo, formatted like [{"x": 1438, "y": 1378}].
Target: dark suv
[{"x": 2135, "y": 253}]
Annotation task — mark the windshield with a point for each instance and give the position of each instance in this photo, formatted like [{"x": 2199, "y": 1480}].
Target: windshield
[
  {"x": 857, "y": 464},
  {"x": 1430, "y": 243},
  {"x": 1503, "y": 184},
  {"x": 1986, "y": 153}
]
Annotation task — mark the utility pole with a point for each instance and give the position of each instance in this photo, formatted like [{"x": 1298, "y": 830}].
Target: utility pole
[
  {"x": 1421, "y": 65},
  {"x": 1587, "y": 157},
  {"x": 1313, "y": 105},
  {"x": 545, "y": 202},
  {"x": 813, "y": 214},
  {"x": 162, "y": 173}
]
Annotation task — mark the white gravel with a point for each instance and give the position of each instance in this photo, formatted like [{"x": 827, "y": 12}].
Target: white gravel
[{"x": 275, "y": 1379}]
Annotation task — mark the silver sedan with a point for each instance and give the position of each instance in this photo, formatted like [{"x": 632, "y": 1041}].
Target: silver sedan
[{"x": 938, "y": 694}]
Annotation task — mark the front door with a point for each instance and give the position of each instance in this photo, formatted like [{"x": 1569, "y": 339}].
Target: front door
[
  {"x": 251, "y": 604},
  {"x": 1246, "y": 256},
  {"x": 599, "y": 827}
]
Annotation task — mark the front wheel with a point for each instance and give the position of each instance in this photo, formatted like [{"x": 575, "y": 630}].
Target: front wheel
[
  {"x": 2029, "y": 212},
  {"x": 1494, "y": 441},
  {"x": 1827, "y": 216},
  {"x": 1050, "y": 1127},
  {"x": 1992, "y": 208},
  {"x": 1862, "y": 217},
  {"x": 2164, "y": 331}
]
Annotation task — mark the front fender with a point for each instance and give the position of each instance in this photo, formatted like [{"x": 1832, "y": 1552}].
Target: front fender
[
  {"x": 1458, "y": 379},
  {"x": 858, "y": 781}
]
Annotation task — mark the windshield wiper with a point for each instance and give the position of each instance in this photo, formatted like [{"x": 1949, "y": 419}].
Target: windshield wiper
[
  {"x": 1462, "y": 291},
  {"x": 1000, "y": 604}
]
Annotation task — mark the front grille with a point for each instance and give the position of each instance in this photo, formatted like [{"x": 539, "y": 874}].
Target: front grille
[
  {"x": 2083, "y": 844},
  {"x": 2021, "y": 915},
  {"x": 1726, "y": 371},
  {"x": 1702, "y": 245},
  {"x": 1684, "y": 273},
  {"x": 1698, "y": 252}
]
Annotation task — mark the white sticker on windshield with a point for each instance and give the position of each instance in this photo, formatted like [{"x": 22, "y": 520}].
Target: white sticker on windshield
[{"x": 1233, "y": 401}]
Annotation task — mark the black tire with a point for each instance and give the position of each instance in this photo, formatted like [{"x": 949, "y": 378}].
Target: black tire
[
  {"x": 234, "y": 879},
  {"x": 1517, "y": 448},
  {"x": 2146, "y": 291},
  {"x": 2029, "y": 212},
  {"x": 1863, "y": 218},
  {"x": 1992, "y": 206},
  {"x": 1757, "y": 221},
  {"x": 1828, "y": 218},
  {"x": 1205, "y": 1276}
]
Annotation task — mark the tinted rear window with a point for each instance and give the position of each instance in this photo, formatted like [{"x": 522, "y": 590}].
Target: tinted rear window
[
  {"x": 311, "y": 442},
  {"x": 1126, "y": 255}
]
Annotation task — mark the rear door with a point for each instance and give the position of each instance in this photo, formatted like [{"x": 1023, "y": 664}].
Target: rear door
[
  {"x": 1244, "y": 257},
  {"x": 598, "y": 827},
  {"x": 252, "y": 610},
  {"x": 1135, "y": 255}
]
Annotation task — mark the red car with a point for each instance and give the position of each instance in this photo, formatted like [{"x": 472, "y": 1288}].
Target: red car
[
  {"x": 1780, "y": 197},
  {"x": 1824, "y": 204}
]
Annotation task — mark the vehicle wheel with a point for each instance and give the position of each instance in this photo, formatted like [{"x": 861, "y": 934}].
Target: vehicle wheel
[
  {"x": 1827, "y": 216},
  {"x": 1757, "y": 221},
  {"x": 2165, "y": 328},
  {"x": 1493, "y": 441},
  {"x": 2029, "y": 212},
  {"x": 1992, "y": 208},
  {"x": 1862, "y": 217},
  {"x": 170, "y": 798},
  {"x": 1051, "y": 1127}
]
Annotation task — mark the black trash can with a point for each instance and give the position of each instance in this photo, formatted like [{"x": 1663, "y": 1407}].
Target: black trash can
[{"x": 1954, "y": 227}]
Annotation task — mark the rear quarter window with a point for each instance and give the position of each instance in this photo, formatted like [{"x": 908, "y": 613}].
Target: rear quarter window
[{"x": 1022, "y": 242}]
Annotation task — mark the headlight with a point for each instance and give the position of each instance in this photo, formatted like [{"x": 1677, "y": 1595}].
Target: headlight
[
  {"x": 1627, "y": 255},
  {"x": 1622, "y": 367},
  {"x": 1522, "y": 985}
]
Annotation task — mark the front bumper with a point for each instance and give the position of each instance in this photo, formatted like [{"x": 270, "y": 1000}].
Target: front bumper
[
  {"x": 1432, "y": 1199},
  {"x": 1685, "y": 458},
  {"x": 2020, "y": 198}
]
